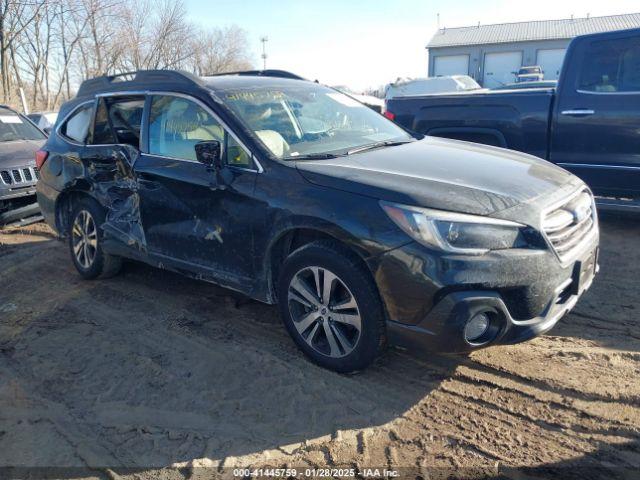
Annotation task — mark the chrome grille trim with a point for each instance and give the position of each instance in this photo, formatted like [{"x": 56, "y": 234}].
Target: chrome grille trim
[
  {"x": 570, "y": 223},
  {"x": 18, "y": 176}
]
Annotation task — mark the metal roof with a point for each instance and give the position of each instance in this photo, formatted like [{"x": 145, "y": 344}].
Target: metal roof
[{"x": 527, "y": 31}]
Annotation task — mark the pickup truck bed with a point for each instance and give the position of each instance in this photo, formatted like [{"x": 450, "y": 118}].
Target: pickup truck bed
[{"x": 516, "y": 119}]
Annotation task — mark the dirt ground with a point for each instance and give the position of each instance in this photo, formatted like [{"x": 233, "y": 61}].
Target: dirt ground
[{"x": 121, "y": 377}]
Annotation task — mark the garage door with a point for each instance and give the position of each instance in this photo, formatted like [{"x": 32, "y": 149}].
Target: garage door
[
  {"x": 551, "y": 62},
  {"x": 451, "y": 65},
  {"x": 500, "y": 68}
]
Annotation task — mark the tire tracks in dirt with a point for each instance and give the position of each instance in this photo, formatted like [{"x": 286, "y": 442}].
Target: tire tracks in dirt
[{"x": 150, "y": 369}]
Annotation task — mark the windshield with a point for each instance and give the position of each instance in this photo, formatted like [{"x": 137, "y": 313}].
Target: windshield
[
  {"x": 13, "y": 127},
  {"x": 301, "y": 119}
]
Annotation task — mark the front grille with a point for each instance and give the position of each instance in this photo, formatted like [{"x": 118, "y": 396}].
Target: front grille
[
  {"x": 18, "y": 176},
  {"x": 567, "y": 225},
  {"x": 6, "y": 178}
]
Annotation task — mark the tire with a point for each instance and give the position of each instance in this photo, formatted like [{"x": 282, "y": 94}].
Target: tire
[
  {"x": 86, "y": 251},
  {"x": 352, "y": 316}
]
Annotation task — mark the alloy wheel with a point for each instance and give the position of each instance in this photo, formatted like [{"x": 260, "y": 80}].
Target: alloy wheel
[
  {"x": 324, "y": 311},
  {"x": 84, "y": 237}
]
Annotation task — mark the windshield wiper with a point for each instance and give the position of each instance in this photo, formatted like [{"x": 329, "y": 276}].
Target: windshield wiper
[
  {"x": 326, "y": 156},
  {"x": 371, "y": 146},
  {"x": 314, "y": 156}
]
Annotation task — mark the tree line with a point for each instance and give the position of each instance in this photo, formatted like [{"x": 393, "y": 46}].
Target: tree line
[{"x": 47, "y": 47}]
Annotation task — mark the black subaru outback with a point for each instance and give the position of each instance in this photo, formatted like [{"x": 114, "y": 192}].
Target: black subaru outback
[{"x": 294, "y": 193}]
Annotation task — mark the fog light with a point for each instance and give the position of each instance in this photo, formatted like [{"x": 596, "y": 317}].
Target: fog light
[{"x": 476, "y": 327}]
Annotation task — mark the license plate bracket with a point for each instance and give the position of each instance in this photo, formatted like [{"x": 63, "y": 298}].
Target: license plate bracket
[{"x": 583, "y": 272}]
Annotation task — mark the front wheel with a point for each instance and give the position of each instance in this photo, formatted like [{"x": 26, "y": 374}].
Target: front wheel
[
  {"x": 85, "y": 241},
  {"x": 331, "y": 307}
]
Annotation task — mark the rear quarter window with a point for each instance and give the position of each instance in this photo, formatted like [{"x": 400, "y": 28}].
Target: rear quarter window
[{"x": 76, "y": 127}]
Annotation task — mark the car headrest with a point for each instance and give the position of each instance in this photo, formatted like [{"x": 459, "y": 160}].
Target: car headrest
[
  {"x": 274, "y": 142},
  {"x": 186, "y": 121}
]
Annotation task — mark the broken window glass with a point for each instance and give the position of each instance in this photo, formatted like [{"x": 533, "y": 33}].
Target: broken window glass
[
  {"x": 125, "y": 115},
  {"x": 102, "y": 133}
]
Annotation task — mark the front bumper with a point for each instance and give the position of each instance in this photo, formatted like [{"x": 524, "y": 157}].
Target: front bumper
[
  {"x": 429, "y": 304},
  {"x": 21, "y": 216},
  {"x": 18, "y": 206}
]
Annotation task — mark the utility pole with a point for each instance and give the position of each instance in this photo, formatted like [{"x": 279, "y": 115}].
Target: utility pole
[
  {"x": 25, "y": 108},
  {"x": 264, "y": 41}
]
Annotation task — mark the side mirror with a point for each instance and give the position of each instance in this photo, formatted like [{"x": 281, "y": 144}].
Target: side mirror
[{"x": 209, "y": 153}]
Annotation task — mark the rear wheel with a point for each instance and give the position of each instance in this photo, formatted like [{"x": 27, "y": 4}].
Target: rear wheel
[
  {"x": 85, "y": 241},
  {"x": 331, "y": 308}
]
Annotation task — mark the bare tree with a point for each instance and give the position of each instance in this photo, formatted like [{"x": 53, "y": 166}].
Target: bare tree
[
  {"x": 157, "y": 35},
  {"x": 70, "y": 35},
  {"x": 50, "y": 46},
  {"x": 15, "y": 16},
  {"x": 34, "y": 49},
  {"x": 101, "y": 45},
  {"x": 221, "y": 50}
]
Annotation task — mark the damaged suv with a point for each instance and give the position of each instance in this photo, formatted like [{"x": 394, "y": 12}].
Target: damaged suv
[{"x": 296, "y": 194}]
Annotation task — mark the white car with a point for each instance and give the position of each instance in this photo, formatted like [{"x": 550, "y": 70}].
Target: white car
[
  {"x": 432, "y": 85},
  {"x": 532, "y": 73},
  {"x": 44, "y": 120},
  {"x": 370, "y": 101}
]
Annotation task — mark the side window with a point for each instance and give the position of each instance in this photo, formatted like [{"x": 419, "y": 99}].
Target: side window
[
  {"x": 611, "y": 66},
  {"x": 76, "y": 127},
  {"x": 236, "y": 155},
  {"x": 125, "y": 117},
  {"x": 102, "y": 133},
  {"x": 177, "y": 124}
]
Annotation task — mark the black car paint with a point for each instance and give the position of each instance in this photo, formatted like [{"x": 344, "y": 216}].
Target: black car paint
[
  {"x": 178, "y": 215},
  {"x": 601, "y": 148},
  {"x": 442, "y": 174}
]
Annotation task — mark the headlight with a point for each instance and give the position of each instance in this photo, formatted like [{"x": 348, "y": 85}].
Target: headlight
[{"x": 456, "y": 232}]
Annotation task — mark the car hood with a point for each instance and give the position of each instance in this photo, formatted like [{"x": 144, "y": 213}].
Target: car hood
[
  {"x": 443, "y": 174},
  {"x": 19, "y": 153}
]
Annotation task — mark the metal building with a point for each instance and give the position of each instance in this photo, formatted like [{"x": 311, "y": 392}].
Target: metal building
[{"x": 492, "y": 54}]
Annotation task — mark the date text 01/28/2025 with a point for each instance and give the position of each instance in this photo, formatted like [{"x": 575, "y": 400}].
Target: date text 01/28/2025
[{"x": 314, "y": 472}]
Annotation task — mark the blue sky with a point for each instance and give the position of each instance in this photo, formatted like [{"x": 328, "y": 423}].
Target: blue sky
[{"x": 367, "y": 43}]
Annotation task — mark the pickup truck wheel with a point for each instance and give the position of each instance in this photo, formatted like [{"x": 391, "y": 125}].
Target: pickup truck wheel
[
  {"x": 85, "y": 242},
  {"x": 331, "y": 308}
]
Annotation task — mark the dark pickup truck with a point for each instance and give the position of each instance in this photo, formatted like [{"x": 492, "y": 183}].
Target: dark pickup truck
[{"x": 589, "y": 124}]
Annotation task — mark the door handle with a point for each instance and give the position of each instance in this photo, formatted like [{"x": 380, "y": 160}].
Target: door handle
[{"x": 578, "y": 112}]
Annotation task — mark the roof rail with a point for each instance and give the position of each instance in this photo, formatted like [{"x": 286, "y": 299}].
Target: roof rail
[
  {"x": 9, "y": 107},
  {"x": 131, "y": 79},
  {"x": 261, "y": 73}
]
